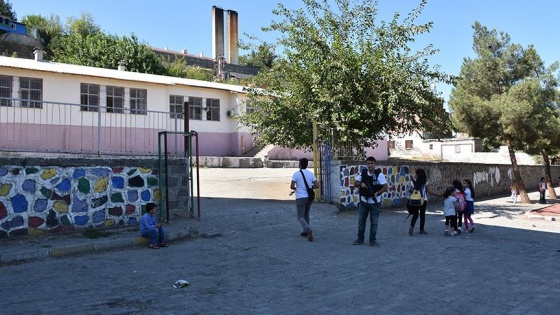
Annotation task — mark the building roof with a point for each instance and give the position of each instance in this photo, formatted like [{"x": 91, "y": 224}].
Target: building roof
[{"x": 62, "y": 68}]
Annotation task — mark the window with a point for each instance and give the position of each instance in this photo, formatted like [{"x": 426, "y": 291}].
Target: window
[
  {"x": 31, "y": 92},
  {"x": 176, "y": 106},
  {"x": 249, "y": 109},
  {"x": 5, "y": 90},
  {"x": 408, "y": 144},
  {"x": 89, "y": 97},
  {"x": 431, "y": 146},
  {"x": 457, "y": 148},
  {"x": 391, "y": 144},
  {"x": 213, "y": 109},
  {"x": 195, "y": 108},
  {"x": 115, "y": 99},
  {"x": 138, "y": 101}
]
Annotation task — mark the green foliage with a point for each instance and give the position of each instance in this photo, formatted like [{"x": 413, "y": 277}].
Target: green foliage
[
  {"x": 179, "y": 68},
  {"x": 263, "y": 56},
  {"x": 7, "y": 11},
  {"x": 106, "y": 51},
  {"x": 84, "y": 26},
  {"x": 505, "y": 94},
  {"x": 48, "y": 28},
  {"x": 359, "y": 81}
]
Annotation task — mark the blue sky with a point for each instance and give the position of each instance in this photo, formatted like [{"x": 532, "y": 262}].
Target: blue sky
[{"x": 187, "y": 24}]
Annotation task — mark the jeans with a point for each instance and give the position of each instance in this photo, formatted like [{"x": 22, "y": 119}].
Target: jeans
[
  {"x": 303, "y": 205},
  {"x": 365, "y": 209},
  {"x": 422, "y": 216},
  {"x": 156, "y": 235},
  {"x": 543, "y": 196}
]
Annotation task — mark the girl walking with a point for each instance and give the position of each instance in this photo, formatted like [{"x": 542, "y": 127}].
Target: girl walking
[
  {"x": 449, "y": 205},
  {"x": 420, "y": 183},
  {"x": 513, "y": 188},
  {"x": 469, "y": 211},
  {"x": 459, "y": 193}
]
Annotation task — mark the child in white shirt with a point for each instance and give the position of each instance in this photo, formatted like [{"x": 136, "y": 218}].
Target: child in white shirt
[{"x": 449, "y": 205}]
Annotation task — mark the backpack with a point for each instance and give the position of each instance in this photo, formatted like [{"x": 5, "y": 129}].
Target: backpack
[
  {"x": 416, "y": 198},
  {"x": 461, "y": 202},
  {"x": 370, "y": 189}
]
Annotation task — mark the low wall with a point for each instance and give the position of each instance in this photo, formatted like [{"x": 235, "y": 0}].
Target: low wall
[
  {"x": 488, "y": 180},
  {"x": 55, "y": 195},
  {"x": 52, "y": 195}
]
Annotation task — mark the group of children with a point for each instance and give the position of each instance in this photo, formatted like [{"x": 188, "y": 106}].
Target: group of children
[{"x": 458, "y": 204}]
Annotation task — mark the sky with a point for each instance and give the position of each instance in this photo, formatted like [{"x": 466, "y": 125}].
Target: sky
[{"x": 187, "y": 24}]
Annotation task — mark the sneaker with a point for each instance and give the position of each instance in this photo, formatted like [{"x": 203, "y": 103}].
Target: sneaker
[
  {"x": 446, "y": 233},
  {"x": 373, "y": 243},
  {"x": 410, "y": 231},
  {"x": 423, "y": 232},
  {"x": 303, "y": 234},
  {"x": 454, "y": 234},
  {"x": 471, "y": 230},
  {"x": 357, "y": 242},
  {"x": 310, "y": 235},
  {"x": 458, "y": 231}
]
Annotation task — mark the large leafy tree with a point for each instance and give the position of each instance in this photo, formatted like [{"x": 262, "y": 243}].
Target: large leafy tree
[
  {"x": 500, "y": 96},
  {"x": 47, "y": 27},
  {"x": 355, "y": 76},
  {"x": 7, "y": 11},
  {"x": 83, "y": 43},
  {"x": 545, "y": 93}
]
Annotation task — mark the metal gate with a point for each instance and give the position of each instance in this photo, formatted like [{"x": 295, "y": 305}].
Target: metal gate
[{"x": 324, "y": 152}]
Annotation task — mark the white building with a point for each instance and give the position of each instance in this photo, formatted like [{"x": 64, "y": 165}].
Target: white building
[
  {"x": 47, "y": 106},
  {"x": 54, "y": 107}
]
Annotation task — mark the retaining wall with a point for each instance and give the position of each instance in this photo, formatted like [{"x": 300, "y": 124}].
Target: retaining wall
[
  {"x": 53, "y": 195},
  {"x": 488, "y": 180}
]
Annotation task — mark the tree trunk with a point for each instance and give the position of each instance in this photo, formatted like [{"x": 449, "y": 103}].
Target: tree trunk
[
  {"x": 548, "y": 176},
  {"x": 524, "y": 198}
]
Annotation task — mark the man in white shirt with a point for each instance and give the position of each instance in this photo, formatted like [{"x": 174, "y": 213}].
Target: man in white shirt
[
  {"x": 372, "y": 184},
  {"x": 301, "y": 180}
]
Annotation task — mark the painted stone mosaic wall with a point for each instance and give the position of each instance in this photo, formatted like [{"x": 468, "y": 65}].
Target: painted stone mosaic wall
[
  {"x": 37, "y": 200},
  {"x": 398, "y": 178},
  {"x": 488, "y": 180}
]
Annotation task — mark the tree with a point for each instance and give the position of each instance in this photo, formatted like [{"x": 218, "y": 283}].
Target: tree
[
  {"x": 84, "y": 25},
  {"x": 48, "y": 28},
  {"x": 359, "y": 81},
  {"x": 499, "y": 96},
  {"x": 262, "y": 57},
  {"x": 179, "y": 68},
  {"x": 107, "y": 51},
  {"x": 548, "y": 128},
  {"x": 6, "y": 10}
]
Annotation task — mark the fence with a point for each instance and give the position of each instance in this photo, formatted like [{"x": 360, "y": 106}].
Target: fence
[{"x": 38, "y": 126}]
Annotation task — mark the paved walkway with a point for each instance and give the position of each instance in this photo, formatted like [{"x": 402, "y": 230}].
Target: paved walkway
[{"x": 245, "y": 256}]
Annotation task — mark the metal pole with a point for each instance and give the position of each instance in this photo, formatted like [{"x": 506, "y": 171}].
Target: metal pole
[
  {"x": 197, "y": 178},
  {"x": 191, "y": 186},
  {"x": 98, "y": 130},
  {"x": 186, "y": 126},
  {"x": 166, "y": 178},
  {"x": 160, "y": 175}
]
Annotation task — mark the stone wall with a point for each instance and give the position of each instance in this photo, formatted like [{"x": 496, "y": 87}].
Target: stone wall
[
  {"x": 54, "y": 195},
  {"x": 488, "y": 180},
  {"x": 67, "y": 193}
]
